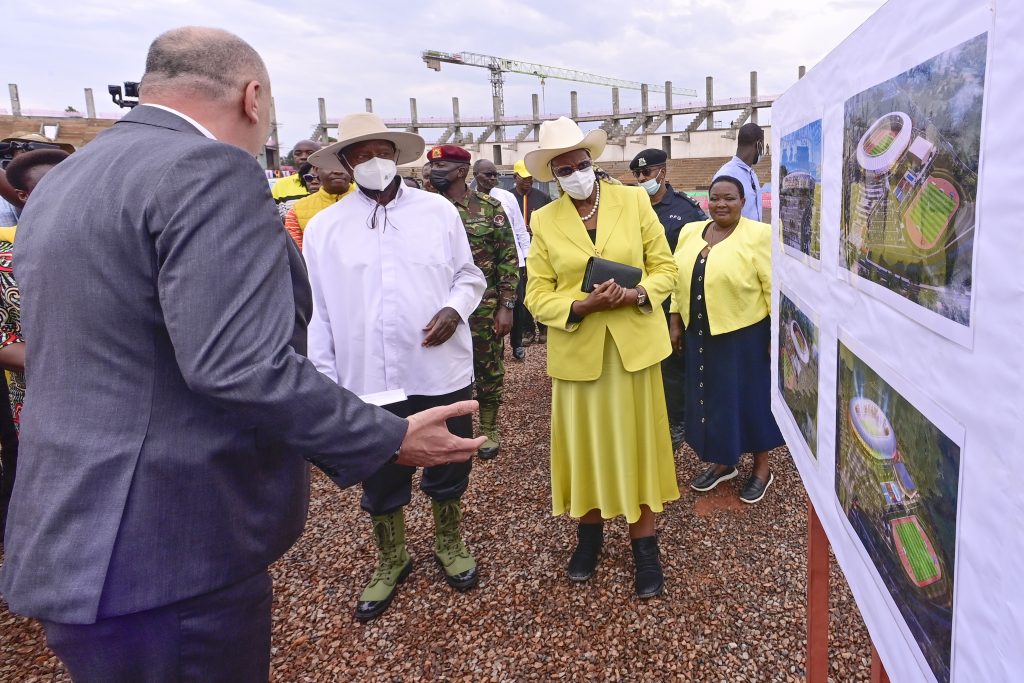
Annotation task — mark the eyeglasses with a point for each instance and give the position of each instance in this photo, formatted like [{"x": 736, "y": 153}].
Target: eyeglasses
[
  {"x": 569, "y": 169},
  {"x": 646, "y": 172},
  {"x": 310, "y": 177}
]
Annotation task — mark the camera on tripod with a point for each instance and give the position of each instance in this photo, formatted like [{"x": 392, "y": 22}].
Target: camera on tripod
[{"x": 126, "y": 98}]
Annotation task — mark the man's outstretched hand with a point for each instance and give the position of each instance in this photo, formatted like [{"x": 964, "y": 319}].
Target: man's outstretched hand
[{"x": 428, "y": 442}]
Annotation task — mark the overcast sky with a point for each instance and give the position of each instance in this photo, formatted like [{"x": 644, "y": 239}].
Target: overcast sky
[{"x": 348, "y": 51}]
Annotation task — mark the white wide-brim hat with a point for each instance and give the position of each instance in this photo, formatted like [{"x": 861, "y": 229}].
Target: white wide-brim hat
[
  {"x": 558, "y": 137},
  {"x": 367, "y": 126}
]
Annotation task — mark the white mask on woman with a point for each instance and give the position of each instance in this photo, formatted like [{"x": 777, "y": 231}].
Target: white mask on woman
[
  {"x": 579, "y": 185},
  {"x": 375, "y": 174}
]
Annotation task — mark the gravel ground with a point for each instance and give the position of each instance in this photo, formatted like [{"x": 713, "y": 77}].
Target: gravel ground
[{"x": 733, "y": 608}]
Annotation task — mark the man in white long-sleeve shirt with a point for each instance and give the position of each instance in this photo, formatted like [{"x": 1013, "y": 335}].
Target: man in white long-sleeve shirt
[{"x": 394, "y": 284}]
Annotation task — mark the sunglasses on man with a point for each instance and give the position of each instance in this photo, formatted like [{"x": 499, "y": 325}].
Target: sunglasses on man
[{"x": 647, "y": 171}]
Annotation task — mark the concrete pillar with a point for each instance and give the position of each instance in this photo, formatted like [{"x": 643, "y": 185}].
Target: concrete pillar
[
  {"x": 275, "y": 140},
  {"x": 455, "y": 110},
  {"x": 15, "y": 101},
  {"x": 499, "y": 131},
  {"x": 709, "y": 85},
  {"x": 800, "y": 71},
  {"x": 369, "y": 105},
  {"x": 668, "y": 106},
  {"x": 536, "y": 115},
  {"x": 574, "y": 108},
  {"x": 753, "y": 95},
  {"x": 322, "y": 107},
  {"x": 615, "y": 100},
  {"x": 413, "y": 118},
  {"x": 90, "y": 104},
  {"x": 644, "y": 92}
]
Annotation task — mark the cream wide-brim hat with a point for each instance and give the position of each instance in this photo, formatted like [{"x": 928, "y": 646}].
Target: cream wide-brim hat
[
  {"x": 367, "y": 126},
  {"x": 558, "y": 137}
]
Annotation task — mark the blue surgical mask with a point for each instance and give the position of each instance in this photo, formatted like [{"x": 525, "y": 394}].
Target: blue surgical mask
[{"x": 651, "y": 185}]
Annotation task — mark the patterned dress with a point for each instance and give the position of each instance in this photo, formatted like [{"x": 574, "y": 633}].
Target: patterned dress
[{"x": 10, "y": 326}]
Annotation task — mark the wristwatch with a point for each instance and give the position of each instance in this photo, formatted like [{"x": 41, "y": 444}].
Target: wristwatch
[
  {"x": 510, "y": 304},
  {"x": 641, "y": 297}
]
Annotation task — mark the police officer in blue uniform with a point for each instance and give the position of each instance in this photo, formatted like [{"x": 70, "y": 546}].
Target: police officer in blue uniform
[{"x": 674, "y": 210}]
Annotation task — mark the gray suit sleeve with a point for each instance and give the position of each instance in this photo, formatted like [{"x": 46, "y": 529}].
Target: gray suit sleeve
[{"x": 225, "y": 290}]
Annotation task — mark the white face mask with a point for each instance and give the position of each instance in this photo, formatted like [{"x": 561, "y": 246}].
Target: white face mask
[
  {"x": 375, "y": 174},
  {"x": 652, "y": 185},
  {"x": 579, "y": 185}
]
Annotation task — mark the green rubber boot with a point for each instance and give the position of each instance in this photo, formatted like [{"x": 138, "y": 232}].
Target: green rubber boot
[
  {"x": 489, "y": 428},
  {"x": 449, "y": 550},
  {"x": 393, "y": 565}
]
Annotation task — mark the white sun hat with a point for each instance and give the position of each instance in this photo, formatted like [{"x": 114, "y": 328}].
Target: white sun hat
[
  {"x": 367, "y": 126},
  {"x": 558, "y": 137}
]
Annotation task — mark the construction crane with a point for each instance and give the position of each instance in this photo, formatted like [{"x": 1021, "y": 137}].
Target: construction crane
[{"x": 499, "y": 65}]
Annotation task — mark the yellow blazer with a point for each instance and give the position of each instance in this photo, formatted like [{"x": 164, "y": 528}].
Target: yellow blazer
[
  {"x": 737, "y": 276},
  {"x": 628, "y": 231}
]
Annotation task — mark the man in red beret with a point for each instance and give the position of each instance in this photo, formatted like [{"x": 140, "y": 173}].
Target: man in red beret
[{"x": 494, "y": 252}]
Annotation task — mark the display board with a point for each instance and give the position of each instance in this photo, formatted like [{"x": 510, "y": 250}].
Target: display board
[{"x": 898, "y": 318}]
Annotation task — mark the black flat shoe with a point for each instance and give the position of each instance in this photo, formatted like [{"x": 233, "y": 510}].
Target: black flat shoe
[
  {"x": 755, "y": 489},
  {"x": 372, "y": 609},
  {"x": 589, "y": 539},
  {"x": 649, "y": 579},
  {"x": 708, "y": 479}
]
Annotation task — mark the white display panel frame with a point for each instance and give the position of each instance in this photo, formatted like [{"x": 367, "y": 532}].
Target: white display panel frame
[{"x": 978, "y": 381}]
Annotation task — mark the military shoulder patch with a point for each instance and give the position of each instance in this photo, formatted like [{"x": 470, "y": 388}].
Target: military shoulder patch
[{"x": 499, "y": 219}]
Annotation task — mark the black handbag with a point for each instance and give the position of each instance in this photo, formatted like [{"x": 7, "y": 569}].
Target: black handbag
[{"x": 601, "y": 270}]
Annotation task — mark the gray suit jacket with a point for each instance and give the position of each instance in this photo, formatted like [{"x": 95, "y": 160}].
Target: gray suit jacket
[{"x": 168, "y": 413}]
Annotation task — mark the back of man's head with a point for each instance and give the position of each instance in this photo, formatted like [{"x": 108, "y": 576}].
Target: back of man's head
[
  {"x": 749, "y": 134},
  {"x": 23, "y": 171},
  {"x": 200, "y": 62}
]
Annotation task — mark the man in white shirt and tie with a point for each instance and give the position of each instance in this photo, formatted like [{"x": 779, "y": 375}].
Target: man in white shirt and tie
[
  {"x": 394, "y": 284},
  {"x": 749, "y": 148}
]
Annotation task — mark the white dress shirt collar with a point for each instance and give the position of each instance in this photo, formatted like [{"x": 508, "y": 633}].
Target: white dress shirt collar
[{"x": 200, "y": 127}]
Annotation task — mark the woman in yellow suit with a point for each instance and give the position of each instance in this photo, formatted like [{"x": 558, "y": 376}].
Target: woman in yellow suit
[{"x": 611, "y": 453}]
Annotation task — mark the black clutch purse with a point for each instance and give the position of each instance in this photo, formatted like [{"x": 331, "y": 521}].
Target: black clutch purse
[{"x": 601, "y": 270}]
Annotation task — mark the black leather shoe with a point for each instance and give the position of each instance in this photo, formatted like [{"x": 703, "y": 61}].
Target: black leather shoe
[
  {"x": 708, "y": 479},
  {"x": 487, "y": 452},
  {"x": 755, "y": 489},
  {"x": 649, "y": 579},
  {"x": 519, "y": 353},
  {"x": 583, "y": 563},
  {"x": 374, "y": 608}
]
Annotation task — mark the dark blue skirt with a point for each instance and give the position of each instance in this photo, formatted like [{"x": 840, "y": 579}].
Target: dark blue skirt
[{"x": 728, "y": 385}]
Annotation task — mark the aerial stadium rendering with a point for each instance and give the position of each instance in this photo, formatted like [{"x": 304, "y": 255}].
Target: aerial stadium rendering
[
  {"x": 798, "y": 369},
  {"x": 800, "y": 189},
  {"x": 910, "y": 170},
  {"x": 897, "y": 480}
]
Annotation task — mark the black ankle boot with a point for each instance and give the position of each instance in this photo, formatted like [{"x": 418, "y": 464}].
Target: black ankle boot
[
  {"x": 589, "y": 538},
  {"x": 649, "y": 579}
]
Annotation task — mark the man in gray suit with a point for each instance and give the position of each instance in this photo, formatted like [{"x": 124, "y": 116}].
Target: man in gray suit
[{"x": 169, "y": 407}]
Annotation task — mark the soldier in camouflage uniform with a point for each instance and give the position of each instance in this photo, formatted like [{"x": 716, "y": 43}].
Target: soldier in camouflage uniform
[{"x": 494, "y": 252}]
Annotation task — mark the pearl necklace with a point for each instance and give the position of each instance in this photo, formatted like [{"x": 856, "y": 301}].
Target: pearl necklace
[{"x": 597, "y": 202}]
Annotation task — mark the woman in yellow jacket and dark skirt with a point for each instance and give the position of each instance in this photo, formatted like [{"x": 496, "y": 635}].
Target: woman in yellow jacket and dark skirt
[
  {"x": 719, "y": 320},
  {"x": 611, "y": 453}
]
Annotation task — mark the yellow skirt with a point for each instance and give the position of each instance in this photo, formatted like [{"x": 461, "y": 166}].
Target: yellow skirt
[{"x": 610, "y": 443}]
